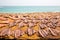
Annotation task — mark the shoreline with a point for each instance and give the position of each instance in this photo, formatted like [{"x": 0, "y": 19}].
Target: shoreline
[{"x": 26, "y": 12}]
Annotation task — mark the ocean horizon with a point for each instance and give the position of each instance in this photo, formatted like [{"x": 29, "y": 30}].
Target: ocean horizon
[{"x": 29, "y": 8}]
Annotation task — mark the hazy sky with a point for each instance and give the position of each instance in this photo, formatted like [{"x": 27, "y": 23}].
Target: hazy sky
[{"x": 29, "y": 2}]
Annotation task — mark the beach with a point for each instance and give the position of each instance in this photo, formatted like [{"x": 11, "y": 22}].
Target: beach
[{"x": 30, "y": 25}]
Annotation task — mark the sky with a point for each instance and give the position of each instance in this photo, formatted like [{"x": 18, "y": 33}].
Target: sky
[{"x": 29, "y": 2}]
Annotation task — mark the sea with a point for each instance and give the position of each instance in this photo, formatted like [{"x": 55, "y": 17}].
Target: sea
[{"x": 29, "y": 9}]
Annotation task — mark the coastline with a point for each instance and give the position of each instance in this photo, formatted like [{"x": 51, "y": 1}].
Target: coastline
[{"x": 25, "y": 12}]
